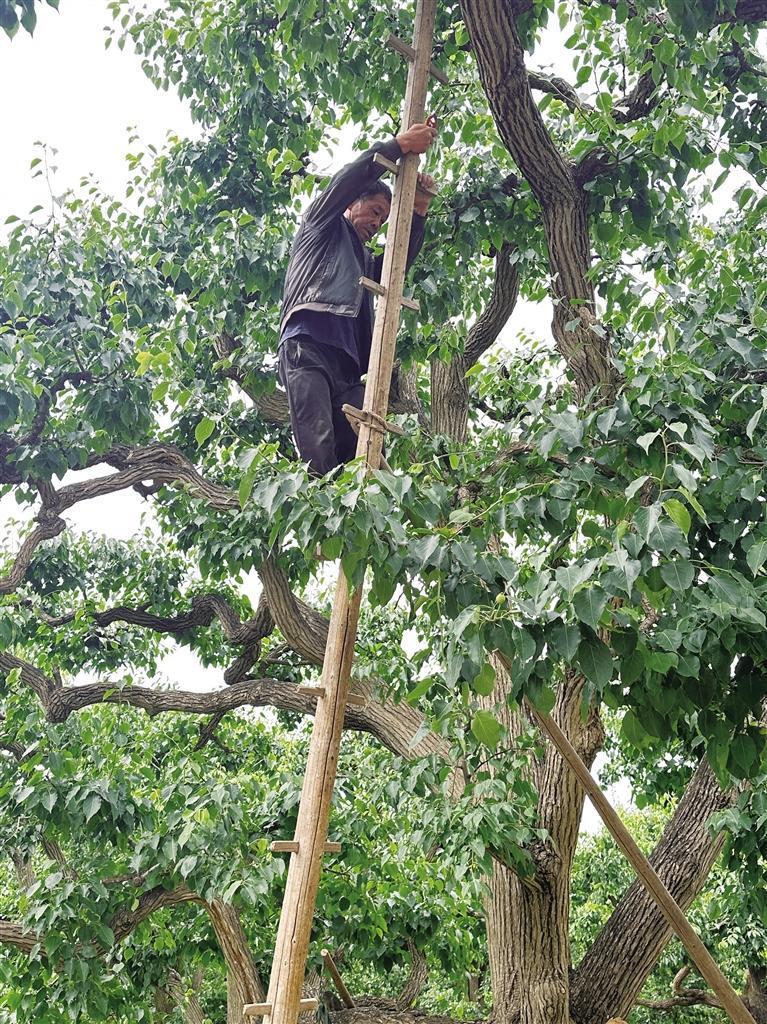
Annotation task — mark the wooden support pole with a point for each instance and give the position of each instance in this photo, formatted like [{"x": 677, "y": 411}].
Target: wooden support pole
[
  {"x": 292, "y": 945},
  {"x": 338, "y": 981},
  {"x": 700, "y": 956}
]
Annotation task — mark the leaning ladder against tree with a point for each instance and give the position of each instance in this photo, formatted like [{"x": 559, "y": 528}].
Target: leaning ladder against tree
[
  {"x": 310, "y": 843},
  {"x": 306, "y": 850}
]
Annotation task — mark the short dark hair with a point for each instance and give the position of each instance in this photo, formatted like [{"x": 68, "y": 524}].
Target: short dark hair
[{"x": 378, "y": 188}]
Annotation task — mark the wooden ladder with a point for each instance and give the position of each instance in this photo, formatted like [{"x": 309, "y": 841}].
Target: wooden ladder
[{"x": 306, "y": 850}]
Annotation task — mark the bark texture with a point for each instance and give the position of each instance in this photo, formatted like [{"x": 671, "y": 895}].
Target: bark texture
[
  {"x": 500, "y": 63},
  {"x": 243, "y": 983},
  {"x": 528, "y": 922}
]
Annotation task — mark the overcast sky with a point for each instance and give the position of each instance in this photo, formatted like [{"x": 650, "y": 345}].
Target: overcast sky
[{"x": 69, "y": 92}]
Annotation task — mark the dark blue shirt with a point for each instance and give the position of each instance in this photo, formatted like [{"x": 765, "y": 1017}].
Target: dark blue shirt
[{"x": 328, "y": 329}]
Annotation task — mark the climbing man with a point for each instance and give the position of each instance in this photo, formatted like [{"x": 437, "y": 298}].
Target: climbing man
[{"x": 327, "y": 316}]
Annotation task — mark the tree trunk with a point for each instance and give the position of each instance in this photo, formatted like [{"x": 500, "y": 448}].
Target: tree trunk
[
  {"x": 175, "y": 994},
  {"x": 755, "y": 994},
  {"x": 528, "y": 923},
  {"x": 243, "y": 984},
  {"x": 615, "y": 968}
]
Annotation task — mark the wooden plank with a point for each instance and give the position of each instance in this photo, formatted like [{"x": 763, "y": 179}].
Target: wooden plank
[
  {"x": 333, "y": 847},
  {"x": 408, "y": 51},
  {"x": 265, "y": 1009},
  {"x": 374, "y": 286},
  {"x": 311, "y": 691},
  {"x": 361, "y": 415},
  {"x": 292, "y": 945},
  {"x": 728, "y": 997},
  {"x": 256, "y": 1009},
  {"x": 284, "y": 846},
  {"x": 392, "y": 168},
  {"x": 332, "y": 970}
]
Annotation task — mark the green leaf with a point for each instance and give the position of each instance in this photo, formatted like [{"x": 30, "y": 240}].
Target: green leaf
[
  {"x": 633, "y": 731},
  {"x": 645, "y": 440},
  {"x": 91, "y": 805},
  {"x": 484, "y": 682},
  {"x": 678, "y": 574},
  {"x": 566, "y": 636},
  {"x": 203, "y": 430},
  {"x": 678, "y": 512},
  {"x": 571, "y": 576},
  {"x": 636, "y": 485},
  {"x": 595, "y": 661},
  {"x": 756, "y": 556},
  {"x": 486, "y": 729},
  {"x": 743, "y": 753},
  {"x": 589, "y": 605}
]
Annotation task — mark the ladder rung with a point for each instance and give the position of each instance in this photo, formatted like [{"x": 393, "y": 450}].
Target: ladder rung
[
  {"x": 311, "y": 691},
  {"x": 284, "y": 846},
  {"x": 375, "y": 286},
  {"x": 392, "y": 168},
  {"x": 293, "y": 846},
  {"x": 357, "y": 699},
  {"x": 351, "y": 412},
  {"x": 265, "y": 1009},
  {"x": 395, "y": 43}
]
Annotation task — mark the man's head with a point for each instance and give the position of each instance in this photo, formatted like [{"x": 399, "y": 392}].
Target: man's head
[{"x": 367, "y": 213}]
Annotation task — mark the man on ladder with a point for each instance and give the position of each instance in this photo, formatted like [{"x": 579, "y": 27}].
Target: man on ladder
[{"x": 327, "y": 316}]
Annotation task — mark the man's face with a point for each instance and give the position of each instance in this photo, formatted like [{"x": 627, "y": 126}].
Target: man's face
[{"x": 367, "y": 215}]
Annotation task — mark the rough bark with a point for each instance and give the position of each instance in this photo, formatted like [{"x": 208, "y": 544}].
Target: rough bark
[
  {"x": 449, "y": 390},
  {"x": 613, "y": 971},
  {"x": 528, "y": 922},
  {"x": 243, "y": 983},
  {"x": 500, "y": 62},
  {"x": 416, "y": 979},
  {"x": 175, "y": 993}
]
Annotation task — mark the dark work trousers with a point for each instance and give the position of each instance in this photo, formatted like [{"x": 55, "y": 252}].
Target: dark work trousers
[{"x": 319, "y": 379}]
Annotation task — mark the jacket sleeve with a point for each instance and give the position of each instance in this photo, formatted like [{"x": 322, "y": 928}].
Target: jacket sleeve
[
  {"x": 417, "y": 229},
  {"x": 349, "y": 183}
]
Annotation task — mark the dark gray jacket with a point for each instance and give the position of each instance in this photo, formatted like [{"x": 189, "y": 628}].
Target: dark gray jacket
[{"x": 324, "y": 268}]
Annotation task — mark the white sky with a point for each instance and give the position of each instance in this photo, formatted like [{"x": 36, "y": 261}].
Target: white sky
[{"x": 72, "y": 94}]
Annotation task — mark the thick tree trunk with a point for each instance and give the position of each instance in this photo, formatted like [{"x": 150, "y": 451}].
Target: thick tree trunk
[
  {"x": 755, "y": 994},
  {"x": 528, "y": 923},
  {"x": 616, "y": 966},
  {"x": 501, "y": 66},
  {"x": 243, "y": 984}
]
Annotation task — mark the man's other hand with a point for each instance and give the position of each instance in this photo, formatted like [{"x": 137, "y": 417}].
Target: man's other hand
[
  {"x": 422, "y": 199},
  {"x": 417, "y": 138}
]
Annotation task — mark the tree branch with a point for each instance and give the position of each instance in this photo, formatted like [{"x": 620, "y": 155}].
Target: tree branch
[
  {"x": 500, "y": 61},
  {"x": 50, "y": 525},
  {"x": 496, "y": 314}
]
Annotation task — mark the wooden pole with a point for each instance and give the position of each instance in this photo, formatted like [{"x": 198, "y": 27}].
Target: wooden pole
[
  {"x": 338, "y": 981},
  {"x": 700, "y": 956},
  {"x": 292, "y": 946}
]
